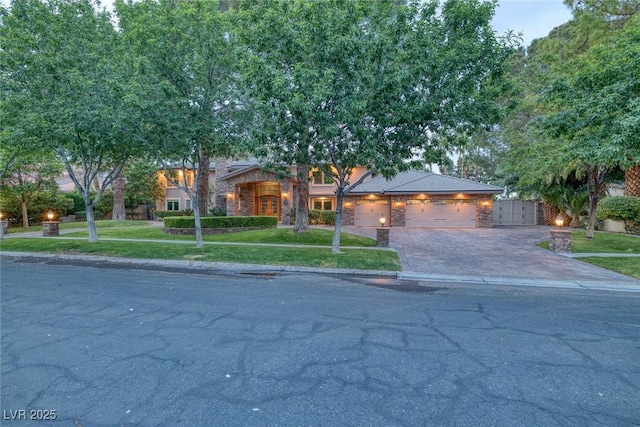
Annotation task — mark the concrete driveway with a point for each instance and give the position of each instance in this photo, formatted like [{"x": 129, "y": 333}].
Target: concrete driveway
[{"x": 507, "y": 252}]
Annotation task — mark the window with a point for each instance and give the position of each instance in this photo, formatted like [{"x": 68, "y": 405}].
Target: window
[
  {"x": 322, "y": 204},
  {"x": 173, "y": 205},
  {"x": 187, "y": 204},
  {"x": 320, "y": 178}
]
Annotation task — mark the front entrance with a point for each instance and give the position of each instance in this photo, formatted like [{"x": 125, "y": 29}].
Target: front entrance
[
  {"x": 267, "y": 199},
  {"x": 268, "y": 206}
]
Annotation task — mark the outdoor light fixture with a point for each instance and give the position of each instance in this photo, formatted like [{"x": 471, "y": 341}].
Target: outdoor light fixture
[
  {"x": 559, "y": 220},
  {"x": 50, "y": 215},
  {"x": 230, "y": 195},
  {"x": 383, "y": 220}
]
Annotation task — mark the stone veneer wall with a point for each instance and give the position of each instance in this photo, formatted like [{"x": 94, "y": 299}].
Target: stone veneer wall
[
  {"x": 484, "y": 211},
  {"x": 348, "y": 211},
  {"x": 398, "y": 211}
]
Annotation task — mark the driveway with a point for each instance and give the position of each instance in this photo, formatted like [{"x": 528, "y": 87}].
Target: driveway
[{"x": 508, "y": 252}]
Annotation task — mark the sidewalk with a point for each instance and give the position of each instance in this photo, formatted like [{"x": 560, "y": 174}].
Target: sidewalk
[{"x": 418, "y": 259}]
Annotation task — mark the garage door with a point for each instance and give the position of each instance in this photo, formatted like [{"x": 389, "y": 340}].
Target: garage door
[
  {"x": 452, "y": 213},
  {"x": 368, "y": 212}
]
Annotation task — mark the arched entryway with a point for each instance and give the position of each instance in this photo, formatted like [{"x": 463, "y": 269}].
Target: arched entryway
[{"x": 267, "y": 199}]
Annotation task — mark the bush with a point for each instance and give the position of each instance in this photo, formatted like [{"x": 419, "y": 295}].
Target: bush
[
  {"x": 317, "y": 217},
  {"x": 218, "y": 212},
  {"x": 619, "y": 208},
  {"x": 164, "y": 214},
  {"x": 222, "y": 222}
]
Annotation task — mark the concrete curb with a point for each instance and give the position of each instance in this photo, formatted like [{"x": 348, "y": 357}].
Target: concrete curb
[{"x": 202, "y": 267}]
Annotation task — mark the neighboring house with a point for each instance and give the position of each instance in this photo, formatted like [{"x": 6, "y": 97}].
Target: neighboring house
[{"x": 412, "y": 199}]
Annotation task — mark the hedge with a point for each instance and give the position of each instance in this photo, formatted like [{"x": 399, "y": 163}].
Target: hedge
[
  {"x": 322, "y": 217},
  {"x": 619, "y": 208},
  {"x": 222, "y": 222},
  {"x": 165, "y": 214}
]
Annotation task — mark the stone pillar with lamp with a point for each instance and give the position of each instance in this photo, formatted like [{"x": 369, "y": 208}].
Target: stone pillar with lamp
[
  {"x": 560, "y": 239},
  {"x": 382, "y": 234},
  {"x": 50, "y": 227},
  {"x": 5, "y": 225}
]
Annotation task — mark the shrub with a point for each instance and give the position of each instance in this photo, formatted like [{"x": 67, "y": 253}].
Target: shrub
[
  {"x": 317, "y": 217},
  {"x": 620, "y": 208},
  {"x": 218, "y": 212},
  {"x": 164, "y": 214},
  {"x": 222, "y": 222}
]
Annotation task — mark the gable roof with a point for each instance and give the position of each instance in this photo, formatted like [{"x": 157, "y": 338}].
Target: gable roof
[{"x": 418, "y": 182}]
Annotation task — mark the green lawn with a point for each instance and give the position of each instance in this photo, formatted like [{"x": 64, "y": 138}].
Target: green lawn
[
  {"x": 365, "y": 259},
  {"x": 102, "y": 224},
  {"x": 605, "y": 242},
  {"x": 272, "y": 235}
]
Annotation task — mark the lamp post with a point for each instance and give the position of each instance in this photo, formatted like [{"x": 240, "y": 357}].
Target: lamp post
[
  {"x": 382, "y": 233},
  {"x": 50, "y": 227},
  {"x": 560, "y": 240},
  {"x": 4, "y": 225}
]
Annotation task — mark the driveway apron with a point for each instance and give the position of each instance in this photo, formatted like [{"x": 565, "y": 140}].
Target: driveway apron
[{"x": 508, "y": 252}]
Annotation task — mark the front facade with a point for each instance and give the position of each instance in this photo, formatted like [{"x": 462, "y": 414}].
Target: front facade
[{"x": 411, "y": 199}]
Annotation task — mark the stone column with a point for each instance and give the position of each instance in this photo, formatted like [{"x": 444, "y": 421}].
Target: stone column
[
  {"x": 560, "y": 241},
  {"x": 50, "y": 228},
  {"x": 382, "y": 237},
  {"x": 5, "y": 227}
]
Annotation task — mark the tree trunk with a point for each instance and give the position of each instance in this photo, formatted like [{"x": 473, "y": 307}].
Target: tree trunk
[
  {"x": 337, "y": 228},
  {"x": 198, "y": 222},
  {"x": 91, "y": 221},
  {"x": 302, "y": 202},
  {"x": 25, "y": 214},
  {"x": 119, "y": 211},
  {"x": 596, "y": 177},
  {"x": 632, "y": 181},
  {"x": 203, "y": 184}
]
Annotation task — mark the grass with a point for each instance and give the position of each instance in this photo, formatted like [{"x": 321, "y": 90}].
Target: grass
[
  {"x": 317, "y": 237},
  {"x": 364, "y": 259},
  {"x": 605, "y": 242},
  {"x": 626, "y": 266},
  {"x": 102, "y": 224}
]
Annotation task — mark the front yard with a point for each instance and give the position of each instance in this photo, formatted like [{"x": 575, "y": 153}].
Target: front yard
[
  {"x": 244, "y": 247},
  {"x": 610, "y": 243}
]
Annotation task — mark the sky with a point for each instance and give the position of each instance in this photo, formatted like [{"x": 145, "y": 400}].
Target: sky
[{"x": 533, "y": 18}]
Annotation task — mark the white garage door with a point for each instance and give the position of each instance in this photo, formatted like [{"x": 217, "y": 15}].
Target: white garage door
[
  {"x": 368, "y": 212},
  {"x": 450, "y": 213}
]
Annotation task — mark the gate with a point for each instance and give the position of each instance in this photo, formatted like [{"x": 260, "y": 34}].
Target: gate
[{"x": 515, "y": 212}]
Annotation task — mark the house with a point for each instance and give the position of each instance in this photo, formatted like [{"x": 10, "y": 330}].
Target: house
[{"x": 411, "y": 199}]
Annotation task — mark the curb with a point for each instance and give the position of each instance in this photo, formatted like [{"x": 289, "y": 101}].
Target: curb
[
  {"x": 198, "y": 267},
  {"x": 216, "y": 268}
]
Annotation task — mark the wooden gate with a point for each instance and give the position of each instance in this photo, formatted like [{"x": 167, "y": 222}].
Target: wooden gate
[{"x": 515, "y": 212}]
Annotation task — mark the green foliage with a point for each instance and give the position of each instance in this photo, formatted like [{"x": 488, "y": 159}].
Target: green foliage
[
  {"x": 222, "y": 222},
  {"x": 142, "y": 185},
  {"x": 619, "y": 208},
  {"x": 40, "y": 203},
  {"x": 317, "y": 217},
  {"x": 215, "y": 211}
]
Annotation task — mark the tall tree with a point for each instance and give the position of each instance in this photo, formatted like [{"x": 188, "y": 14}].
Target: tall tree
[
  {"x": 347, "y": 83},
  {"x": 191, "y": 101},
  {"x": 30, "y": 174},
  {"x": 63, "y": 88}
]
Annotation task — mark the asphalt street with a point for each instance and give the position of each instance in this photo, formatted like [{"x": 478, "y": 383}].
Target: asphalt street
[{"x": 95, "y": 346}]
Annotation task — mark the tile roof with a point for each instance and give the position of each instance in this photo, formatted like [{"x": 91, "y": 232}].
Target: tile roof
[{"x": 417, "y": 182}]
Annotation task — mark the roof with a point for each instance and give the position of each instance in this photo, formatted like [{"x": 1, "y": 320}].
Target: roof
[{"x": 418, "y": 182}]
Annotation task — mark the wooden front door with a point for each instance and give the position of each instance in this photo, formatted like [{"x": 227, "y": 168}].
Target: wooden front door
[{"x": 268, "y": 206}]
